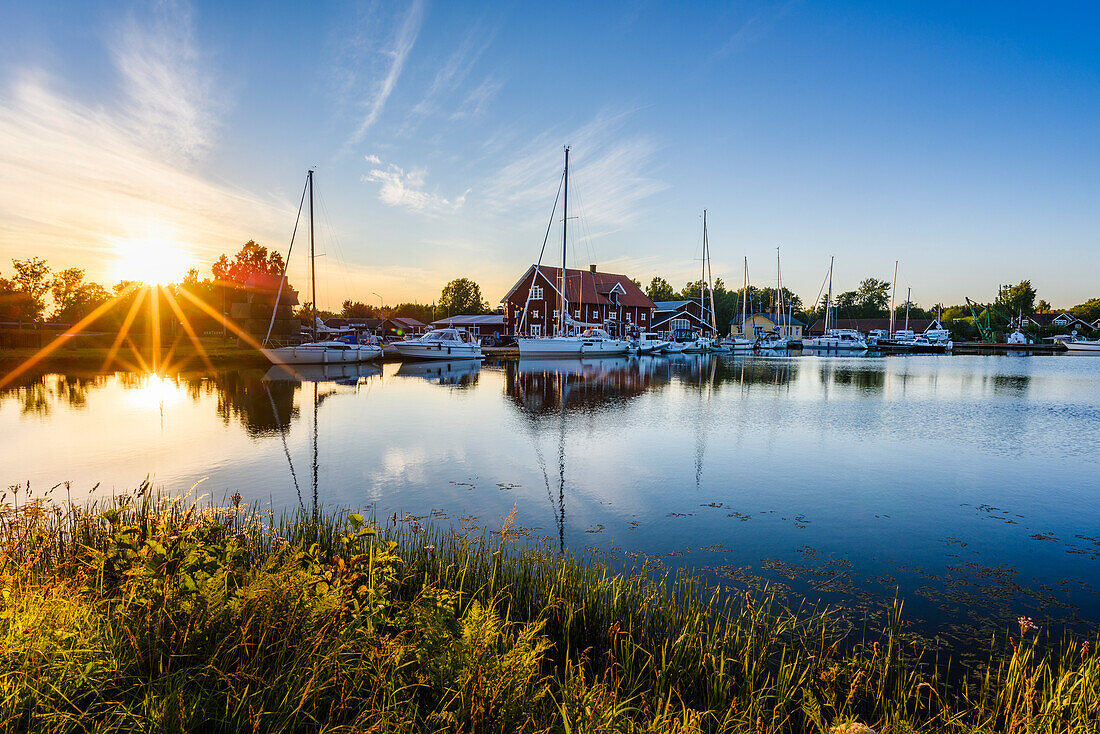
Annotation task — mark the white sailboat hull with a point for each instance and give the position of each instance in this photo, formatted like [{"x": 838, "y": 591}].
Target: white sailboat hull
[
  {"x": 575, "y": 346},
  {"x": 324, "y": 353},
  {"x": 833, "y": 345}
]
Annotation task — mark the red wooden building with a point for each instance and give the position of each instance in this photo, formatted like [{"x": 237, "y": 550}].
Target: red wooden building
[{"x": 610, "y": 301}]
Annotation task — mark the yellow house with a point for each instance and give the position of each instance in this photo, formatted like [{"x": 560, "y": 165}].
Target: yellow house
[{"x": 761, "y": 324}]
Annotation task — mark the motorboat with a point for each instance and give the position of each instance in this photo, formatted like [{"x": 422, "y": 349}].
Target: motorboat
[
  {"x": 449, "y": 343},
  {"x": 649, "y": 343},
  {"x": 836, "y": 340},
  {"x": 1082, "y": 346},
  {"x": 343, "y": 374},
  {"x": 324, "y": 352},
  {"x": 592, "y": 342},
  {"x": 773, "y": 341}
]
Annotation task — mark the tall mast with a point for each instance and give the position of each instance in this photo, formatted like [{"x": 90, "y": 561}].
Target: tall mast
[
  {"x": 829, "y": 297},
  {"x": 907, "y": 295},
  {"x": 745, "y": 296},
  {"x": 703, "y": 274},
  {"x": 564, "y": 231},
  {"x": 893, "y": 290},
  {"x": 778, "y": 292},
  {"x": 312, "y": 258}
]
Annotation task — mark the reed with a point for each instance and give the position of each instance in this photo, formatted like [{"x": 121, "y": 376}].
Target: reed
[{"x": 143, "y": 613}]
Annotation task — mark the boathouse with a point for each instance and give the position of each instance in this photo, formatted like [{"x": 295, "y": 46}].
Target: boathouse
[
  {"x": 676, "y": 315},
  {"x": 608, "y": 300},
  {"x": 762, "y": 324}
]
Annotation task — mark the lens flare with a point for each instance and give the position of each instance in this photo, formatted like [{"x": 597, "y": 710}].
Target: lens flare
[{"x": 151, "y": 261}]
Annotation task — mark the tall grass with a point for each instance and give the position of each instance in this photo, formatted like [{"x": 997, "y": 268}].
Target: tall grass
[{"x": 148, "y": 614}]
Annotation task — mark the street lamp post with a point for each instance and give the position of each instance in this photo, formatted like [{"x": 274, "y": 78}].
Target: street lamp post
[{"x": 381, "y": 305}]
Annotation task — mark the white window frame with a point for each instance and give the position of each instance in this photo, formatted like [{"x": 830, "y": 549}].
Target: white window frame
[
  {"x": 679, "y": 324},
  {"x": 536, "y": 329},
  {"x": 535, "y": 294}
]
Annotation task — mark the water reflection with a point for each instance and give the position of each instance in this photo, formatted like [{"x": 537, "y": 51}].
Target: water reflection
[{"x": 461, "y": 373}]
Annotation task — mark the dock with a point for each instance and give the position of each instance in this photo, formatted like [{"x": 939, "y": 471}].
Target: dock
[{"x": 995, "y": 348}]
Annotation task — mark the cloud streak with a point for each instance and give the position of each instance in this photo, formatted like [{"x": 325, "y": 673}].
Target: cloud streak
[
  {"x": 609, "y": 172},
  {"x": 395, "y": 56}
]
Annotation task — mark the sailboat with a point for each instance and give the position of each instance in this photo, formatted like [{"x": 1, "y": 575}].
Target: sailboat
[
  {"x": 743, "y": 343},
  {"x": 778, "y": 340},
  {"x": 701, "y": 343},
  {"x": 593, "y": 341},
  {"x": 333, "y": 351},
  {"x": 833, "y": 339}
]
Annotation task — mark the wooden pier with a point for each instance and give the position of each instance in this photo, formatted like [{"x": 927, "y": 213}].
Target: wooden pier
[{"x": 993, "y": 348}]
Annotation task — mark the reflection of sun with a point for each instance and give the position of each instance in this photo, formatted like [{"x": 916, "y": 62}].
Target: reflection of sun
[
  {"x": 156, "y": 391},
  {"x": 150, "y": 261}
]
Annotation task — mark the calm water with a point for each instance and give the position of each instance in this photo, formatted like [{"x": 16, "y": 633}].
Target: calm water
[{"x": 970, "y": 484}]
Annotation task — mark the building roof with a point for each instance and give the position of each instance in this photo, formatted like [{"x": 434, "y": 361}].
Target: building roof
[
  {"x": 408, "y": 323},
  {"x": 587, "y": 287},
  {"x": 1047, "y": 319},
  {"x": 492, "y": 319},
  {"x": 788, "y": 320},
  {"x": 865, "y": 325},
  {"x": 676, "y": 305},
  {"x": 361, "y": 323},
  {"x": 662, "y": 318}
]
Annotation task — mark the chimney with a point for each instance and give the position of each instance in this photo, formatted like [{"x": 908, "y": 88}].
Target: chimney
[{"x": 592, "y": 268}]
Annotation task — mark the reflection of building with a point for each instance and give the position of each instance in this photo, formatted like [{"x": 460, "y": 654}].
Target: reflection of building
[
  {"x": 761, "y": 324},
  {"x": 251, "y": 303},
  {"x": 608, "y": 300},
  {"x": 548, "y": 386}
]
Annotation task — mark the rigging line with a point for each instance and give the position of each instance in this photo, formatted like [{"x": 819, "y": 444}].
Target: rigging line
[
  {"x": 545, "y": 239},
  {"x": 286, "y": 262},
  {"x": 820, "y": 291},
  {"x": 286, "y": 448}
]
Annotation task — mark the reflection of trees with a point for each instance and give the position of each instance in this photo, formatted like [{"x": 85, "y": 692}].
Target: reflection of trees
[
  {"x": 36, "y": 395},
  {"x": 858, "y": 377},
  {"x": 262, "y": 407},
  {"x": 1011, "y": 384}
]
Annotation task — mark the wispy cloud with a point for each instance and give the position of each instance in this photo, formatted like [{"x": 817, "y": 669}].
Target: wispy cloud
[
  {"x": 754, "y": 29},
  {"x": 406, "y": 189},
  {"x": 476, "y": 101},
  {"x": 367, "y": 50},
  {"x": 610, "y": 172},
  {"x": 81, "y": 178},
  {"x": 452, "y": 74},
  {"x": 168, "y": 95}
]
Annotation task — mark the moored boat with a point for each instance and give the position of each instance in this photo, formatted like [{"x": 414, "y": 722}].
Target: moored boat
[{"x": 449, "y": 343}]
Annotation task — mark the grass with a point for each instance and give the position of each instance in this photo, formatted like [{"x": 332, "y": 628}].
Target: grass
[{"x": 147, "y": 614}]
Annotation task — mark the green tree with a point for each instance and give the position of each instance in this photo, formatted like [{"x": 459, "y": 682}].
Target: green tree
[
  {"x": 1016, "y": 300},
  {"x": 659, "y": 289},
  {"x": 1089, "y": 310},
  {"x": 74, "y": 298},
  {"x": 462, "y": 296},
  {"x": 358, "y": 310},
  {"x": 915, "y": 312},
  {"x": 32, "y": 280},
  {"x": 1042, "y": 307},
  {"x": 249, "y": 260}
]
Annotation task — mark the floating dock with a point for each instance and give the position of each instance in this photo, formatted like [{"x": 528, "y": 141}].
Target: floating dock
[{"x": 993, "y": 348}]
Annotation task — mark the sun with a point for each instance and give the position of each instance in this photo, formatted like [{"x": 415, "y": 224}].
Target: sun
[{"x": 151, "y": 261}]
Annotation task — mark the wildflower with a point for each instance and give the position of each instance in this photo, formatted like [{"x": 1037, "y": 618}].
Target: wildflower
[
  {"x": 1085, "y": 649},
  {"x": 416, "y": 526},
  {"x": 1026, "y": 623},
  {"x": 237, "y": 497},
  {"x": 431, "y": 553},
  {"x": 852, "y": 727}
]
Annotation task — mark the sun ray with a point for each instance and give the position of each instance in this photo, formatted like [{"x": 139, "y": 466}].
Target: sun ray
[
  {"x": 174, "y": 305},
  {"x": 241, "y": 333},
  {"x": 61, "y": 339},
  {"x": 124, "y": 330},
  {"x": 154, "y": 314},
  {"x": 137, "y": 355}
]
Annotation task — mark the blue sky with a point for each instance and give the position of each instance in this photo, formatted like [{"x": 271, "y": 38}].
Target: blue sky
[{"x": 958, "y": 138}]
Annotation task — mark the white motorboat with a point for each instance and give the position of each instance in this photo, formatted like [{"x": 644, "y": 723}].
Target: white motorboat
[
  {"x": 447, "y": 372},
  {"x": 649, "y": 343},
  {"x": 449, "y": 343},
  {"x": 326, "y": 352},
  {"x": 346, "y": 349},
  {"x": 838, "y": 340},
  {"x": 1083, "y": 346},
  {"x": 773, "y": 341},
  {"x": 592, "y": 342}
]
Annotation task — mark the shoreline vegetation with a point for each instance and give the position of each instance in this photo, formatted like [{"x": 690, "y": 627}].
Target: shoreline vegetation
[{"x": 145, "y": 613}]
